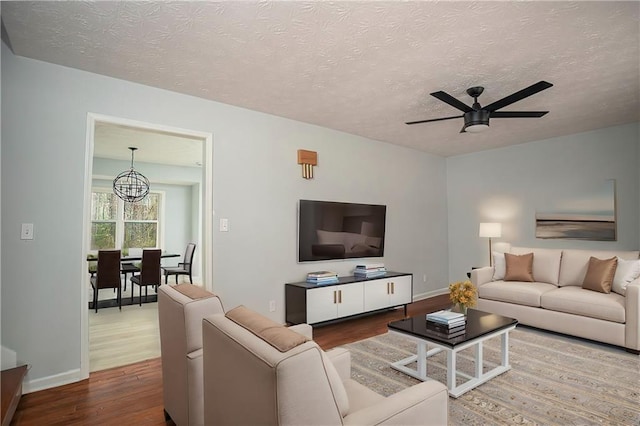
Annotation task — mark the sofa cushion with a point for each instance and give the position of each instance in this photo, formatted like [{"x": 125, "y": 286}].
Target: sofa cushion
[
  {"x": 499, "y": 266},
  {"x": 626, "y": 271},
  {"x": 546, "y": 263},
  {"x": 578, "y": 301},
  {"x": 277, "y": 335},
  {"x": 600, "y": 274},
  {"x": 573, "y": 267},
  {"x": 518, "y": 267},
  {"x": 520, "y": 293}
]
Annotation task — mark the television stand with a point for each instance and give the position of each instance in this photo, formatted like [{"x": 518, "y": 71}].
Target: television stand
[{"x": 350, "y": 296}]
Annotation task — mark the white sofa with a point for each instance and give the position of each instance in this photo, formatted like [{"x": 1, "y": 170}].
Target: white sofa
[{"x": 556, "y": 301}]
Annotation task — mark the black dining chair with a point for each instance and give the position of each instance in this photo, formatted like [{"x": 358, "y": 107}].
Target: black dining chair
[
  {"x": 149, "y": 273},
  {"x": 183, "y": 268},
  {"x": 107, "y": 275}
]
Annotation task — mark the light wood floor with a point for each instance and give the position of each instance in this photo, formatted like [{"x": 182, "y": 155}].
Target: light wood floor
[
  {"x": 119, "y": 338},
  {"x": 132, "y": 394}
]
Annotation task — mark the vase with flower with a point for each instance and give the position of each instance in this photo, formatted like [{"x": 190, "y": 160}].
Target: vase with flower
[{"x": 463, "y": 294}]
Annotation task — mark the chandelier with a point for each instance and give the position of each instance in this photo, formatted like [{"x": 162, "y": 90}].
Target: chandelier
[{"x": 130, "y": 185}]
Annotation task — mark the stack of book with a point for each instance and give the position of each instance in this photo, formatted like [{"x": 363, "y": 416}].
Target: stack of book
[
  {"x": 369, "y": 270},
  {"x": 322, "y": 277},
  {"x": 446, "y": 324}
]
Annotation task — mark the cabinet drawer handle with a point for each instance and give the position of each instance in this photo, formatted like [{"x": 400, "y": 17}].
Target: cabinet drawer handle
[
  {"x": 335, "y": 297},
  {"x": 339, "y": 296},
  {"x": 388, "y": 289},
  {"x": 393, "y": 288}
]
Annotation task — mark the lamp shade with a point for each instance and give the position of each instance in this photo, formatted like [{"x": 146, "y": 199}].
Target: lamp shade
[{"x": 491, "y": 230}]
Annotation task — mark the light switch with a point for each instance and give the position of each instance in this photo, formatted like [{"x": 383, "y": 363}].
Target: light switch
[
  {"x": 224, "y": 225},
  {"x": 27, "y": 231}
]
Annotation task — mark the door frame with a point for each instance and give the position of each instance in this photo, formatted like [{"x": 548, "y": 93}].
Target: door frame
[{"x": 206, "y": 231}]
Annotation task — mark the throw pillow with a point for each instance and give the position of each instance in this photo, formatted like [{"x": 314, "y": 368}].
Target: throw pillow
[
  {"x": 600, "y": 274},
  {"x": 518, "y": 268},
  {"x": 499, "y": 266},
  {"x": 626, "y": 271}
]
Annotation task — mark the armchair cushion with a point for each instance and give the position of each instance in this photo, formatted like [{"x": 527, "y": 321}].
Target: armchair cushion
[
  {"x": 193, "y": 292},
  {"x": 281, "y": 338}
]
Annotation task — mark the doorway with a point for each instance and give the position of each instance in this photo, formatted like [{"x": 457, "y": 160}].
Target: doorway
[{"x": 169, "y": 156}]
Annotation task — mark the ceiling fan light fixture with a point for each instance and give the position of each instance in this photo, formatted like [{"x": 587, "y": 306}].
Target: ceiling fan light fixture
[{"x": 476, "y": 121}]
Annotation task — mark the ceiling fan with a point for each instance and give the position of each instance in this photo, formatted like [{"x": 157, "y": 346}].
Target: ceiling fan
[{"x": 476, "y": 118}]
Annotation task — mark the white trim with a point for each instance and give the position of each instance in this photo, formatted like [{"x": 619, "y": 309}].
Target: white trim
[
  {"x": 431, "y": 293},
  {"x": 56, "y": 380},
  {"x": 206, "y": 226}
]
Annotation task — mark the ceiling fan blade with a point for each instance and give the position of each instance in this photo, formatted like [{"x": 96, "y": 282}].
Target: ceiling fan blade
[
  {"x": 448, "y": 99},
  {"x": 433, "y": 119},
  {"x": 518, "y": 114},
  {"x": 521, "y": 94}
]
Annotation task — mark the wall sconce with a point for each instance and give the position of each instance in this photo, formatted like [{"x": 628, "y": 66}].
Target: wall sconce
[
  {"x": 308, "y": 159},
  {"x": 490, "y": 230}
]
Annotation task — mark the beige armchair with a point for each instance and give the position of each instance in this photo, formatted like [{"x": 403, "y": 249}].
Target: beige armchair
[
  {"x": 257, "y": 372},
  {"x": 180, "y": 312}
]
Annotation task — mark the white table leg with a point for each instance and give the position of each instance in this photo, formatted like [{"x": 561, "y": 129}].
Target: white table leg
[
  {"x": 422, "y": 359},
  {"x": 451, "y": 369},
  {"x": 479, "y": 360},
  {"x": 504, "y": 343}
]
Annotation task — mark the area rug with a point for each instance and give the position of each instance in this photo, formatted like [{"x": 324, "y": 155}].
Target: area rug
[{"x": 554, "y": 380}]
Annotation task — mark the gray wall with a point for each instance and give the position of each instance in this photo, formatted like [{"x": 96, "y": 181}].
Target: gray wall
[
  {"x": 256, "y": 185},
  {"x": 509, "y": 185}
]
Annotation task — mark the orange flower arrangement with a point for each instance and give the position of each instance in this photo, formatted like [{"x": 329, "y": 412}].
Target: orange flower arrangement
[{"x": 464, "y": 294}]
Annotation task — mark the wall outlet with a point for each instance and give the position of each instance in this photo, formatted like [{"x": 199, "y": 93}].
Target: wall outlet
[
  {"x": 272, "y": 306},
  {"x": 224, "y": 225},
  {"x": 26, "y": 232},
  {"x": 424, "y": 278}
]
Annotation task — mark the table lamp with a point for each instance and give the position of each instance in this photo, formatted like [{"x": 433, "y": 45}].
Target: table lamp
[{"x": 490, "y": 230}]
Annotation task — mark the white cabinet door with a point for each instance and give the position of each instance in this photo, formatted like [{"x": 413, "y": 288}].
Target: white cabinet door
[
  {"x": 327, "y": 303},
  {"x": 350, "y": 299},
  {"x": 400, "y": 290},
  {"x": 376, "y": 294},
  {"x": 387, "y": 292},
  {"x": 322, "y": 304}
]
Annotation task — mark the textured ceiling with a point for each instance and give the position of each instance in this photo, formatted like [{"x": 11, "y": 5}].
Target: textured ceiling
[{"x": 361, "y": 67}]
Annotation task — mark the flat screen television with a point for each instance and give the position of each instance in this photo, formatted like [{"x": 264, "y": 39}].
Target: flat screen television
[{"x": 330, "y": 230}]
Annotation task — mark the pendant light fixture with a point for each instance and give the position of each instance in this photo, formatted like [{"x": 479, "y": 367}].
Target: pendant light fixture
[{"x": 130, "y": 185}]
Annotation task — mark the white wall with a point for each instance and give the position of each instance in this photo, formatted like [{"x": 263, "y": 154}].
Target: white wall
[
  {"x": 256, "y": 185},
  {"x": 509, "y": 185}
]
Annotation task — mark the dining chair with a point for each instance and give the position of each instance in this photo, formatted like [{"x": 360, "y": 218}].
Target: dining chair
[
  {"x": 107, "y": 275},
  {"x": 149, "y": 273},
  {"x": 183, "y": 268}
]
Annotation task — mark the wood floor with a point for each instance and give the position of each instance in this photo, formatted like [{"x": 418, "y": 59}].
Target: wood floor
[
  {"x": 132, "y": 395},
  {"x": 118, "y": 338}
]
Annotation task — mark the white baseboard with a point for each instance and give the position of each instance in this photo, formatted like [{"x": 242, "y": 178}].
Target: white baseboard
[
  {"x": 429, "y": 294},
  {"x": 48, "y": 382}
]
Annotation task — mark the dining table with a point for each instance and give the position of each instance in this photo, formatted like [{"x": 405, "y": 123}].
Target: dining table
[{"x": 126, "y": 267}]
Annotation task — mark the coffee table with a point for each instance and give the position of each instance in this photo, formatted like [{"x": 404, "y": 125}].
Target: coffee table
[{"x": 480, "y": 327}]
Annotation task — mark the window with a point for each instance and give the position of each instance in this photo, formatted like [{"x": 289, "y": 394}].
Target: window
[
  {"x": 104, "y": 211},
  {"x": 116, "y": 224}
]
